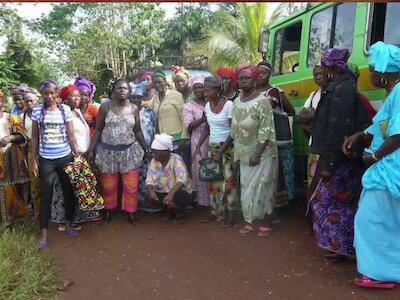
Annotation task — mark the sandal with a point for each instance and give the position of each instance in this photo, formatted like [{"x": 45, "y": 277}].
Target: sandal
[
  {"x": 42, "y": 244},
  {"x": 367, "y": 282},
  {"x": 72, "y": 231},
  {"x": 247, "y": 229},
  {"x": 264, "y": 231}
]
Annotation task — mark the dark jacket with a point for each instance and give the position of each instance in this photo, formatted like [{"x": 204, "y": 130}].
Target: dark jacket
[{"x": 340, "y": 113}]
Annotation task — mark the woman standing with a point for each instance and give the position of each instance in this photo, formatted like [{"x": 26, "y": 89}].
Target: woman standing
[
  {"x": 31, "y": 98},
  {"x": 89, "y": 110},
  {"x": 377, "y": 220},
  {"x": 168, "y": 106},
  {"x": 229, "y": 84},
  {"x": 224, "y": 196},
  {"x": 116, "y": 138},
  {"x": 195, "y": 119},
  {"x": 337, "y": 182},
  {"x": 254, "y": 138},
  {"x": 71, "y": 96},
  {"x": 53, "y": 135},
  {"x": 181, "y": 77},
  {"x": 306, "y": 117},
  {"x": 278, "y": 100},
  {"x": 14, "y": 177}
]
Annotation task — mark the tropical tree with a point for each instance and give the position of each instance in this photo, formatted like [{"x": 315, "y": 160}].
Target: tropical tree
[{"x": 235, "y": 40}]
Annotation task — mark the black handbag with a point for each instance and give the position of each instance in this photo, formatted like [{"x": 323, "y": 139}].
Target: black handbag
[
  {"x": 283, "y": 130},
  {"x": 210, "y": 170}
]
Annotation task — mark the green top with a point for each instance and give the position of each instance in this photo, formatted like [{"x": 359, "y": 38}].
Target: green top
[{"x": 252, "y": 123}]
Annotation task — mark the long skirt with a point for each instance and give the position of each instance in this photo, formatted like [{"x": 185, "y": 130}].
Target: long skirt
[
  {"x": 376, "y": 240},
  {"x": 258, "y": 186},
  {"x": 334, "y": 203},
  {"x": 286, "y": 183},
  {"x": 224, "y": 195},
  {"x": 58, "y": 211}
]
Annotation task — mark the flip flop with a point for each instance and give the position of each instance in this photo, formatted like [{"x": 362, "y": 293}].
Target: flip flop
[
  {"x": 264, "y": 231},
  {"x": 72, "y": 232},
  {"x": 42, "y": 244},
  {"x": 246, "y": 229},
  {"x": 367, "y": 282}
]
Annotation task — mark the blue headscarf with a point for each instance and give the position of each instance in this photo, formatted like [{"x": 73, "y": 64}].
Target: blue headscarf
[{"x": 385, "y": 58}]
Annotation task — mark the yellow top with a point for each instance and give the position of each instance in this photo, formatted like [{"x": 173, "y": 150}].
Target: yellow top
[{"x": 169, "y": 114}]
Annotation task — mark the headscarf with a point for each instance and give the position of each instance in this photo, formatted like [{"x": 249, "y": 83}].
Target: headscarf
[
  {"x": 19, "y": 90},
  {"x": 85, "y": 84},
  {"x": 213, "y": 82},
  {"x": 385, "y": 58},
  {"x": 265, "y": 65},
  {"x": 47, "y": 84},
  {"x": 162, "y": 141},
  {"x": 249, "y": 68},
  {"x": 197, "y": 80},
  {"x": 143, "y": 74},
  {"x": 336, "y": 58},
  {"x": 66, "y": 90},
  {"x": 159, "y": 73},
  {"x": 227, "y": 71},
  {"x": 33, "y": 92},
  {"x": 353, "y": 71},
  {"x": 180, "y": 71}
]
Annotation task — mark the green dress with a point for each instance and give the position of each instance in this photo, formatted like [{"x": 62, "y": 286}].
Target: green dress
[{"x": 253, "y": 123}]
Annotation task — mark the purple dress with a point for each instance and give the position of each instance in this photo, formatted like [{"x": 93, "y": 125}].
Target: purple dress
[{"x": 193, "y": 111}]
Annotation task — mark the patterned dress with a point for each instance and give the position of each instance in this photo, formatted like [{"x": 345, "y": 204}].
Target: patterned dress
[{"x": 193, "y": 111}]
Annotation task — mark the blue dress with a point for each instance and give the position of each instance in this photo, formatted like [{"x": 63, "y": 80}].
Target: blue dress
[{"x": 377, "y": 222}]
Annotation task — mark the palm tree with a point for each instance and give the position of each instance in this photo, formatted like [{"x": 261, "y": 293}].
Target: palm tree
[{"x": 235, "y": 39}]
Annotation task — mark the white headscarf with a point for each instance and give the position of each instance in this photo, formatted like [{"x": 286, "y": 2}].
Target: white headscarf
[{"x": 162, "y": 141}]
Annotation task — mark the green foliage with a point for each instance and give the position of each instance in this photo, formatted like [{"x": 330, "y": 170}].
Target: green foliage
[{"x": 25, "y": 272}]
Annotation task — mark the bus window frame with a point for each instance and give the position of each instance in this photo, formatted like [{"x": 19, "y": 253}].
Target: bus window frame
[
  {"x": 368, "y": 29},
  {"x": 334, "y": 7},
  {"x": 275, "y": 33}
]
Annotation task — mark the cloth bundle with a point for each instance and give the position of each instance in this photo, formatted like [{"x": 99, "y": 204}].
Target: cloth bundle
[{"x": 84, "y": 183}]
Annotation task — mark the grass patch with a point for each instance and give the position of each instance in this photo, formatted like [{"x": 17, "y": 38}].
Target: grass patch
[{"x": 25, "y": 272}]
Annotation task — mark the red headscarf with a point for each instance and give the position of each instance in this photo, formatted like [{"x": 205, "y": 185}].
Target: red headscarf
[
  {"x": 227, "y": 71},
  {"x": 66, "y": 90},
  {"x": 249, "y": 68}
]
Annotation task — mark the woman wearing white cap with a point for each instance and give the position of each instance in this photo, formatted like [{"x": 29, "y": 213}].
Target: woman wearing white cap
[{"x": 168, "y": 180}]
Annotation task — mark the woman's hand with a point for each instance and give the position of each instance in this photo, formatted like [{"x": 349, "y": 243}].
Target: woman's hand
[
  {"x": 153, "y": 197},
  {"x": 35, "y": 168},
  {"x": 368, "y": 159},
  {"x": 168, "y": 199},
  {"x": 255, "y": 160},
  {"x": 91, "y": 156},
  {"x": 349, "y": 142}
]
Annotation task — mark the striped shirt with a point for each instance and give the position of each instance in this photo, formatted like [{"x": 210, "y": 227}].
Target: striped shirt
[{"x": 55, "y": 142}]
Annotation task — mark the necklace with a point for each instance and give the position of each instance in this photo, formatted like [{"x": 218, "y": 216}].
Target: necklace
[{"x": 247, "y": 98}]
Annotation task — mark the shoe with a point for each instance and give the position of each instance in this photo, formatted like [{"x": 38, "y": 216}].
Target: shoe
[
  {"x": 367, "y": 282},
  {"x": 132, "y": 219},
  {"x": 72, "y": 231},
  {"x": 42, "y": 244}
]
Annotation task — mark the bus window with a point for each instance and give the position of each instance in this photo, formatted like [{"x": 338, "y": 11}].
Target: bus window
[
  {"x": 387, "y": 14},
  {"x": 287, "y": 49},
  {"x": 331, "y": 27}
]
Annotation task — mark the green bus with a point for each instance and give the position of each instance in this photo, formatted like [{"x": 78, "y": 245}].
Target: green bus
[{"x": 294, "y": 45}]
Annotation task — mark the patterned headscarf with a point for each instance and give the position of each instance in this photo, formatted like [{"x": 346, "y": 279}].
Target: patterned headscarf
[
  {"x": 196, "y": 80},
  {"x": 180, "y": 71},
  {"x": 159, "y": 73},
  {"x": 336, "y": 58},
  {"x": 66, "y": 90},
  {"x": 33, "y": 92},
  {"x": 19, "y": 90},
  {"x": 248, "y": 68},
  {"x": 213, "y": 82},
  {"x": 85, "y": 84},
  {"x": 143, "y": 74},
  {"x": 227, "y": 71},
  {"x": 47, "y": 84},
  {"x": 385, "y": 58}
]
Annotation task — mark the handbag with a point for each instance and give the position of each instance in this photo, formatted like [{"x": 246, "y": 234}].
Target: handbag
[
  {"x": 210, "y": 170},
  {"x": 84, "y": 184},
  {"x": 283, "y": 127}
]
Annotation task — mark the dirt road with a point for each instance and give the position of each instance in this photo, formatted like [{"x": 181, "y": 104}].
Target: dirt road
[{"x": 201, "y": 261}]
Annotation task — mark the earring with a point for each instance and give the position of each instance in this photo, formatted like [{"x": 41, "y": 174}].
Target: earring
[
  {"x": 330, "y": 75},
  {"x": 384, "y": 81}
]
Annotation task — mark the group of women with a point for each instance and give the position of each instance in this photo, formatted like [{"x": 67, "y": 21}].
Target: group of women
[{"x": 147, "y": 144}]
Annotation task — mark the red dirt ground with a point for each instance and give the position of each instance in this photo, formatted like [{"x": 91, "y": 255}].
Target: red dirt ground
[{"x": 161, "y": 260}]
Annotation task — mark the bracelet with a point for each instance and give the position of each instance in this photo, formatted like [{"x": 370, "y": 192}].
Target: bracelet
[{"x": 374, "y": 157}]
